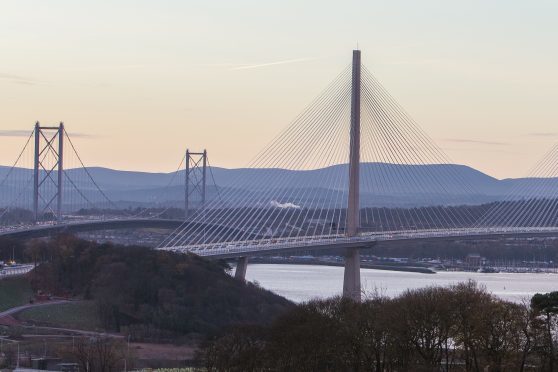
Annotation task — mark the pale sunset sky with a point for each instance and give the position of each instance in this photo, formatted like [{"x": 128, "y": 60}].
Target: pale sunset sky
[{"x": 137, "y": 82}]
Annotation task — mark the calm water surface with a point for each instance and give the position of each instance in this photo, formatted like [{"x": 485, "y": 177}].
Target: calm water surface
[{"x": 304, "y": 282}]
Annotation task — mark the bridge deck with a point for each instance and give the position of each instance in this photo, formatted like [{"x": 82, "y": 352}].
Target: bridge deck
[
  {"x": 278, "y": 245},
  {"x": 41, "y": 230}
]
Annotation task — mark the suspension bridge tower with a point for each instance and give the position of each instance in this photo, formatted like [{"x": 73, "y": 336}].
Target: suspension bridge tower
[
  {"x": 351, "y": 279},
  {"x": 48, "y": 171},
  {"x": 195, "y": 179}
]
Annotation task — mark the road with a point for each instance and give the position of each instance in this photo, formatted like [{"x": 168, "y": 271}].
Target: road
[{"x": 17, "y": 309}]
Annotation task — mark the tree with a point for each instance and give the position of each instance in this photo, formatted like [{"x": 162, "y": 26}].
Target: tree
[
  {"x": 382, "y": 348},
  {"x": 545, "y": 307},
  {"x": 99, "y": 354},
  {"x": 241, "y": 349},
  {"x": 502, "y": 339},
  {"x": 301, "y": 339},
  {"x": 424, "y": 320}
]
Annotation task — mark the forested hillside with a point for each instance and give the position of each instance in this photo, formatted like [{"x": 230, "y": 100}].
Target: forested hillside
[{"x": 143, "y": 289}]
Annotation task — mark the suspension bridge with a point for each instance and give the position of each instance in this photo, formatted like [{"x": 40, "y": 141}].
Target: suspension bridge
[
  {"x": 49, "y": 190},
  {"x": 351, "y": 170}
]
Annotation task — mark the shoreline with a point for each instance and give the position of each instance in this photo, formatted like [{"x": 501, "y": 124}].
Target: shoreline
[
  {"x": 395, "y": 267},
  {"x": 363, "y": 265}
]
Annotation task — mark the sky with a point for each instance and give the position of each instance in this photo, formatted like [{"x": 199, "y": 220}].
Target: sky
[{"x": 137, "y": 82}]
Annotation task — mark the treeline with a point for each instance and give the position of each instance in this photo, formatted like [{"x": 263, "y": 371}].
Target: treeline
[
  {"x": 154, "y": 294},
  {"x": 19, "y": 216},
  {"x": 15, "y": 216},
  {"x": 160, "y": 212},
  {"x": 13, "y": 248},
  {"x": 526, "y": 249},
  {"x": 494, "y": 249},
  {"x": 456, "y": 328}
]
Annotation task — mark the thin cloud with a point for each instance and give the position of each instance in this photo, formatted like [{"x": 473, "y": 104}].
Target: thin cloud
[
  {"x": 27, "y": 133},
  {"x": 406, "y": 46},
  {"x": 16, "y": 79},
  {"x": 83, "y": 135},
  {"x": 14, "y": 133},
  {"x": 467, "y": 150},
  {"x": 478, "y": 142},
  {"x": 247, "y": 67},
  {"x": 425, "y": 62},
  {"x": 543, "y": 134}
]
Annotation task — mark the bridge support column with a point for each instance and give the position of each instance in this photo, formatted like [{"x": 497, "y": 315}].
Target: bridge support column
[
  {"x": 351, "y": 279},
  {"x": 36, "y": 172},
  {"x": 60, "y": 189},
  {"x": 241, "y": 266}
]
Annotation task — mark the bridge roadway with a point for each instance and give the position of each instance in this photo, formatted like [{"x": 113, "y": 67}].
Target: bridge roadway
[
  {"x": 75, "y": 226},
  {"x": 365, "y": 240},
  {"x": 48, "y": 229},
  {"x": 265, "y": 246}
]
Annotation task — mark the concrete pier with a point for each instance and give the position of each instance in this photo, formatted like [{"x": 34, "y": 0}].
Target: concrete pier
[
  {"x": 241, "y": 266},
  {"x": 351, "y": 279}
]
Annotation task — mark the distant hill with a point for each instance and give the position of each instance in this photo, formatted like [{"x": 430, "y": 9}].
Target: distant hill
[{"x": 381, "y": 184}]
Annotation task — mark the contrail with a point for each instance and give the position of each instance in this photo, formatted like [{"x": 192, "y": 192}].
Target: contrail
[
  {"x": 464, "y": 140},
  {"x": 270, "y": 64}
]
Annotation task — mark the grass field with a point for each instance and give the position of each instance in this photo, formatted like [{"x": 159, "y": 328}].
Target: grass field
[
  {"x": 74, "y": 315},
  {"x": 14, "y": 292}
]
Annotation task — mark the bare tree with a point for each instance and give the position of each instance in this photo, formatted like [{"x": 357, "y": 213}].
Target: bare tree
[{"x": 98, "y": 354}]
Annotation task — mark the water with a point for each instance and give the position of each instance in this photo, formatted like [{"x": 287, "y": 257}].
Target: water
[{"x": 304, "y": 282}]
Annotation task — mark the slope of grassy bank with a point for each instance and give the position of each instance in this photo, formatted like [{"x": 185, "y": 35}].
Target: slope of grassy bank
[
  {"x": 73, "y": 315},
  {"x": 14, "y": 292}
]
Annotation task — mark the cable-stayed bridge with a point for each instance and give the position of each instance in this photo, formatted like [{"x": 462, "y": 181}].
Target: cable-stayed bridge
[
  {"x": 357, "y": 123},
  {"x": 375, "y": 176}
]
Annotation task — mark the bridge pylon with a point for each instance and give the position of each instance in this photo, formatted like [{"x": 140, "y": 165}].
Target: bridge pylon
[
  {"x": 351, "y": 279},
  {"x": 49, "y": 143},
  {"x": 194, "y": 178}
]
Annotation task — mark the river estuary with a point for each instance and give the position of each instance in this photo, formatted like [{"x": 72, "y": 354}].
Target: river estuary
[{"x": 304, "y": 282}]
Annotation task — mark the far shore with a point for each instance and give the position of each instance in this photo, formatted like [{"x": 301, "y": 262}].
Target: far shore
[{"x": 364, "y": 265}]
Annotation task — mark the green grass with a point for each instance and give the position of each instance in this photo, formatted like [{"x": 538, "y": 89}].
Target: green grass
[
  {"x": 14, "y": 292},
  {"x": 75, "y": 315}
]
